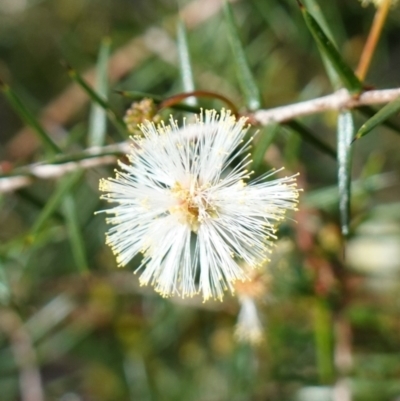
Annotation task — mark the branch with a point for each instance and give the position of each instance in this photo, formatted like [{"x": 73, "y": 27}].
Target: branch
[
  {"x": 338, "y": 100},
  {"x": 94, "y": 157},
  {"x": 90, "y": 158}
]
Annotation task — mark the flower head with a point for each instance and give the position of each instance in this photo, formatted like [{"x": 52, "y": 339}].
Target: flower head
[
  {"x": 140, "y": 112},
  {"x": 183, "y": 202}
]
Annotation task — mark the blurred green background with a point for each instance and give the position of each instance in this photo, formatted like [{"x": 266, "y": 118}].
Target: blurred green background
[{"x": 83, "y": 329}]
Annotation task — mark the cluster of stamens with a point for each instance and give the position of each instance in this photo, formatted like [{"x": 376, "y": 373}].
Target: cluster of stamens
[{"x": 192, "y": 206}]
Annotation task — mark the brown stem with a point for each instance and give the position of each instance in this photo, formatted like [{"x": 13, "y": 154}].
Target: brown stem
[{"x": 373, "y": 38}]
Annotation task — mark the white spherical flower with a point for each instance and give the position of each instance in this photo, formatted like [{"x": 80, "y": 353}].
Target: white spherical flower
[{"x": 184, "y": 204}]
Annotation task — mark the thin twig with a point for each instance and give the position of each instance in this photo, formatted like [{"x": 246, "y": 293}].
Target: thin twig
[
  {"x": 338, "y": 100},
  {"x": 94, "y": 157},
  {"x": 373, "y": 38}
]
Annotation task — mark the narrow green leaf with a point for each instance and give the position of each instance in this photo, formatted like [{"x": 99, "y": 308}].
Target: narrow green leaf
[
  {"x": 369, "y": 111},
  {"x": 97, "y": 119},
  {"x": 134, "y": 95},
  {"x": 345, "y": 133},
  {"x": 114, "y": 118},
  {"x": 28, "y": 118},
  {"x": 74, "y": 233},
  {"x": 35, "y": 201},
  {"x": 267, "y": 136},
  {"x": 315, "y": 10},
  {"x": 346, "y": 74},
  {"x": 246, "y": 79},
  {"x": 381, "y": 116},
  {"x": 185, "y": 66},
  {"x": 65, "y": 185},
  {"x": 323, "y": 12},
  {"x": 305, "y": 133},
  {"x": 292, "y": 148}
]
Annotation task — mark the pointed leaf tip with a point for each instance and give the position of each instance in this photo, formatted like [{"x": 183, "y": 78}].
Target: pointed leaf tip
[
  {"x": 379, "y": 118},
  {"x": 185, "y": 65}
]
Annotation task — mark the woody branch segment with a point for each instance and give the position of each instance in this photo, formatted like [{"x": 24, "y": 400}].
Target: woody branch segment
[
  {"x": 338, "y": 100},
  {"x": 94, "y": 157}
]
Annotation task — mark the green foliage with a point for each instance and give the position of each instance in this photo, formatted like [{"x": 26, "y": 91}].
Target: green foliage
[
  {"x": 185, "y": 66},
  {"x": 98, "y": 115},
  {"x": 246, "y": 79},
  {"x": 349, "y": 79},
  {"x": 29, "y": 119},
  {"x": 379, "y": 118},
  {"x": 330, "y": 311}
]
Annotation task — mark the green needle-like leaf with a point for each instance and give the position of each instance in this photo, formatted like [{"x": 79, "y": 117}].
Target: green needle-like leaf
[
  {"x": 74, "y": 233},
  {"x": 29, "y": 118},
  {"x": 246, "y": 79},
  {"x": 66, "y": 184},
  {"x": 267, "y": 136},
  {"x": 369, "y": 112},
  {"x": 33, "y": 200},
  {"x": 315, "y": 10},
  {"x": 114, "y": 118},
  {"x": 98, "y": 116},
  {"x": 379, "y": 118},
  {"x": 345, "y": 133},
  {"x": 185, "y": 66},
  {"x": 134, "y": 95},
  {"x": 346, "y": 74},
  {"x": 305, "y": 133}
]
